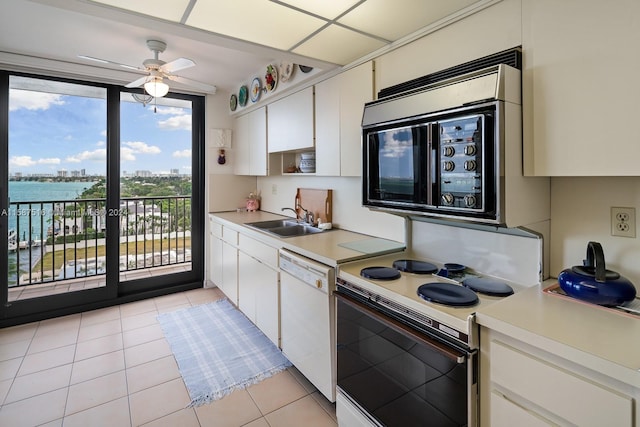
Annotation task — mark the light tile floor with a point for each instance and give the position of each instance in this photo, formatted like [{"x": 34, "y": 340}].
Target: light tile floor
[{"x": 113, "y": 367}]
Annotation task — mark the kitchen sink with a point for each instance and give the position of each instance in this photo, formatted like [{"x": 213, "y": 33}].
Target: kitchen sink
[
  {"x": 284, "y": 227},
  {"x": 275, "y": 223}
]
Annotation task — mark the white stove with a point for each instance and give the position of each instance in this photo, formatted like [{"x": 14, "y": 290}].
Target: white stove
[{"x": 401, "y": 294}]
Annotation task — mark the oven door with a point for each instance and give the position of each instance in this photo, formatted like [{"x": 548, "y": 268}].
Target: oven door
[{"x": 401, "y": 376}]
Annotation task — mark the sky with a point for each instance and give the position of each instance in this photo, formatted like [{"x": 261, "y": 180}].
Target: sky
[{"x": 49, "y": 132}]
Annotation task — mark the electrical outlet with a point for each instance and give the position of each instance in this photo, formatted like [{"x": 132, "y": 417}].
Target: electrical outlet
[
  {"x": 623, "y": 222},
  {"x": 274, "y": 189}
]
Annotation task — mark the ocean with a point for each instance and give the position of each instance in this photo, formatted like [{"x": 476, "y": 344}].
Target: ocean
[{"x": 33, "y": 191}]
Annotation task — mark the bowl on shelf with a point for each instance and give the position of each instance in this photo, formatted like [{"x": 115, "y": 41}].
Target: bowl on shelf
[{"x": 308, "y": 165}]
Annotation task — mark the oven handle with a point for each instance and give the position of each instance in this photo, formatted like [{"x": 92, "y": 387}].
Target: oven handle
[{"x": 457, "y": 356}]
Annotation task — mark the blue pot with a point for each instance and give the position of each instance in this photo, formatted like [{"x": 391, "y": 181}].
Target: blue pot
[{"x": 593, "y": 283}]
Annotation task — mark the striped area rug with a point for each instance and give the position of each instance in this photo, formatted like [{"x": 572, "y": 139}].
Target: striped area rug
[{"x": 219, "y": 350}]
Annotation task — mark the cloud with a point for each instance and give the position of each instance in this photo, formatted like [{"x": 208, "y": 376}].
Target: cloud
[
  {"x": 100, "y": 144},
  {"x": 127, "y": 154},
  {"x": 174, "y": 111},
  {"x": 26, "y": 161},
  {"x": 103, "y": 133},
  {"x": 182, "y": 122},
  {"x": 32, "y": 100},
  {"x": 96, "y": 155},
  {"x": 182, "y": 153},
  {"x": 142, "y": 147}
]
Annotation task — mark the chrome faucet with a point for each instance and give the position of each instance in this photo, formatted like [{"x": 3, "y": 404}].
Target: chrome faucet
[
  {"x": 292, "y": 210},
  {"x": 308, "y": 216}
]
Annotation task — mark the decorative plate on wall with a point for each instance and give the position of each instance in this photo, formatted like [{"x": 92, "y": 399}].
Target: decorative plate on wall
[
  {"x": 271, "y": 78},
  {"x": 286, "y": 71},
  {"x": 243, "y": 95},
  {"x": 256, "y": 89},
  {"x": 233, "y": 102}
]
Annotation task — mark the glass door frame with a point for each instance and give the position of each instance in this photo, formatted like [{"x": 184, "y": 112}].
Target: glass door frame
[{"x": 39, "y": 308}]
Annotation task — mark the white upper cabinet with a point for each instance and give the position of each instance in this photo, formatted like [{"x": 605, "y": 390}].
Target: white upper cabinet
[
  {"x": 339, "y": 105},
  {"x": 581, "y": 91},
  {"x": 291, "y": 122},
  {"x": 250, "y": 143}
]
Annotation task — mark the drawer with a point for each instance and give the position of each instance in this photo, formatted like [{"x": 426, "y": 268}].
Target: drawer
[
  {"x": 505, "y": 413},
  {"x": 215, "y": 229},
  {"x": 568, "y": 396},
  {"x": 230, "y": 236},
  {"x": 261, "y": 251}
]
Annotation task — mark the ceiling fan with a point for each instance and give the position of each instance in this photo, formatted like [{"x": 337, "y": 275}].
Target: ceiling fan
[{"x": 158, "y": 71}]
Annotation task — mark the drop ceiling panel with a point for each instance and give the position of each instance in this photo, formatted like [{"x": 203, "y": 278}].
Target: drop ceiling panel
[
  {"x": 329, "y": 9},
  {"x": 392, "y": 20},
  {"x": 257, "y": 21},
  {"x": 169, "y": 10},
  {"x": 338, "y": 45}
]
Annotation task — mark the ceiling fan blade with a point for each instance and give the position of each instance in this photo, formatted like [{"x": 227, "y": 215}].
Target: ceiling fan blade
[
  {"x": 177, "y": 64},
  {"x": 105, "y": 61},
  {"x": 194, "y": 83},
  {"x": 138, "y": 82}
]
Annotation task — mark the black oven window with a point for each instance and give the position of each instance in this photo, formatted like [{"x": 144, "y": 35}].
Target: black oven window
[{"x": 395, "y": 378}]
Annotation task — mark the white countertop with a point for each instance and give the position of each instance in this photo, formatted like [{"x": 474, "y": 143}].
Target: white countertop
[
  {"x": 325, "y": 247},
  {"x": 585, "y": 334}
]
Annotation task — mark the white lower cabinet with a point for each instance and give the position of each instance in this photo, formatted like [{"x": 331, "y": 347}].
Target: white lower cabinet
[
  {"x": 258, "y": 286},
  {"x": 230, "y": 272},
  {"x": 525, "y": 386}
]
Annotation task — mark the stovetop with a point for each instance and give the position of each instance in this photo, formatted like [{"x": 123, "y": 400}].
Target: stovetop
[{"x": 403, "y": 290}]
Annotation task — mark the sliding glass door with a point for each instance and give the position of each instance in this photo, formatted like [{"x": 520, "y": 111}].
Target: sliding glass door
[{"x": 101, "y": 197}]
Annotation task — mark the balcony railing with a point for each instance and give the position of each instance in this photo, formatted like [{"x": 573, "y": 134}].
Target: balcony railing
[{"x": 52, "y": 241}]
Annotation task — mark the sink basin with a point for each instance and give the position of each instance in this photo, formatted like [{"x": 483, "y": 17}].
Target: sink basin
[
  {"x": 284, "y": 227},
  {"x": 276, "y": 223}
]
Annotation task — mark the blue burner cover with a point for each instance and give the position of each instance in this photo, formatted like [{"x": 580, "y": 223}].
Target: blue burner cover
[
  {"x": 380, "y": 273},
  {"x": 488, "y": 286},
  {"x": 447, "y": 294}
]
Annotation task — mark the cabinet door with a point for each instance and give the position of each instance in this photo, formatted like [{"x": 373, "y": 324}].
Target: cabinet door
[
  {"x": 356, "y": 88},
  {"x": 258, "y": 142},
  {"x": 240, "y": 145},
  {"x": 328, "y": 127},
  {"x": 339, "y": 105},
  {"x": 248, "y": 270},
  {"x": 580, "y": 90},
  {"x": 267, "y": 302},
  {"x": 215, "y": 261},
  {"x": 230, "y": 272},
  {"x": 290, "y": 122},
  {"x": 258, "y": 295}
]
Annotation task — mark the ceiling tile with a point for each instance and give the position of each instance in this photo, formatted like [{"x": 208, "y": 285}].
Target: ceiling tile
[
  {"x": 329, "y": 9},
  {"x": 393, "y": 20},
  {"x": 169, "y": 10},
  {"x": 353, "y": 45},
  {"x": 258, "y": 21}
]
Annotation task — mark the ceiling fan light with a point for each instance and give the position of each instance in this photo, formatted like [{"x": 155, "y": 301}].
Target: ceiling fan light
[{"x": 156, "y": 87}]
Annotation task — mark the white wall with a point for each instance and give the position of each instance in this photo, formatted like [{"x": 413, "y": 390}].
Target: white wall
[
  {"x": 347, "y": 211},
  {"x": 580, "y": 212}
]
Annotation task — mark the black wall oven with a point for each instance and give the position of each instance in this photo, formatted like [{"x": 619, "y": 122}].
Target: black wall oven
[{"x": 398, "y": 370}]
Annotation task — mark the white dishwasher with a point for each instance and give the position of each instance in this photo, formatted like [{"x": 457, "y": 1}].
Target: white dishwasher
[{"x": 307, "y": 319}]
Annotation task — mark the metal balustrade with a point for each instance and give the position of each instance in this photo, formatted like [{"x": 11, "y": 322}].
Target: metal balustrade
[{"x": 52, "y": 241}]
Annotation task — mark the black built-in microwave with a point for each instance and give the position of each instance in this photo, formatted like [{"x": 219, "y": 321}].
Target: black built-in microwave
[{"x": 442, "y": 163}]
